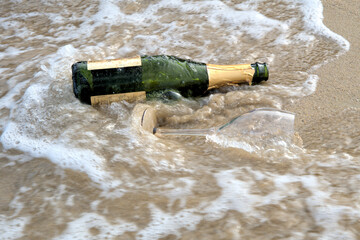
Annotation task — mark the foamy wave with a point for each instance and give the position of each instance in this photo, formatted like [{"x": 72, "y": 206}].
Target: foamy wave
[
  {"x": 225, "y": 142},
  {"x": 313, "y": 18},
  {"x": 12, "y": 228},
  {"x": 66, "y": 156},
  {"x": 95, "y": 226},
  {"x": 163, "y": 223},
  {"x": 231, "y": 24},
  {"x": 42, "y": 118}
]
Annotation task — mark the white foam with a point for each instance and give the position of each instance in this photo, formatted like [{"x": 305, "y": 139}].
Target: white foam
[
  {"x": 179, "y": 190},
  {"x": 3, "y": 70},
  {"x": 164, "y": 224},
  {"x": 216, "y": 12},
  {"x": 70, "y": 201},
  {"x": 235, "y": 196},
  {"x": 109, "y": 13},
  {"x": 81, "y": 227},
  {"x": 313, "y": 19},
  {"x": 305, "y": 38},
  {"x": 309, "y": 86},
  {"x": 12, "y": 228},
  {"x": 227, "y": 143},
  {"x": 23, "y": 129},
  {"x": 323, "y": 208},
  {"x": 9, "y": 100},
  {"x": 60, "y": 153},
  {"x": 327, "y": 215}
]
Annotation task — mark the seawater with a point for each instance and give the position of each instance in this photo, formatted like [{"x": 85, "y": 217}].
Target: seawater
[{"x": 71, "y": 171}]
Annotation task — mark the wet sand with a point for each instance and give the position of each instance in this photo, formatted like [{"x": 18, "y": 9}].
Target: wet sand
[{"x": 322, "y": 116}]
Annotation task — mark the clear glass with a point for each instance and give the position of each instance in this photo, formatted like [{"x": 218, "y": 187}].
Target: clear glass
[{"x": 260, "y": 123}]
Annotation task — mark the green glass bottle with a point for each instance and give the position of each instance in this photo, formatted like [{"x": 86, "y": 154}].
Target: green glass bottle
[{"x": 147, "y": 74}]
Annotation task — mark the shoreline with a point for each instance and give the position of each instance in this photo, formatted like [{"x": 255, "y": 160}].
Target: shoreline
[{"x": 338, "y": 87}]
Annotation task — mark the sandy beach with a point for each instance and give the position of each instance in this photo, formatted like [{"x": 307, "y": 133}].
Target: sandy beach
[{"x": 323, "y": 117}]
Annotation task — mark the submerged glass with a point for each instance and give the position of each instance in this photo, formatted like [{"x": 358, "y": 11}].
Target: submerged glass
[{"x": 259, "y": 124}]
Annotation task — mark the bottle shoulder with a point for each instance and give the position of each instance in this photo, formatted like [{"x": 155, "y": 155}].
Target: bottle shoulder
[{"x": 169, "y": 58}]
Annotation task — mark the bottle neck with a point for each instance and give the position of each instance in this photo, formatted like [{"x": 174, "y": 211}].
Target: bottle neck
[{"x": 222, "y": 75}]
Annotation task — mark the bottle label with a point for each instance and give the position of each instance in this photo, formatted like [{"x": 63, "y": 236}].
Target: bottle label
[
  {"x": 107, "y": 99},
  {"x": 222, "y": 75},
  {"x": 114, "y": 63}
]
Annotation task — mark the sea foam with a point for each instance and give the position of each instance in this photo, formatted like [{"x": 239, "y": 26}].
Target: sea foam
[{"x": 46, "y": 120}]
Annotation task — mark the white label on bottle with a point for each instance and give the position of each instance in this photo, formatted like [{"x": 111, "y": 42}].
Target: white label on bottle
[{"x": 114, "y": 63}]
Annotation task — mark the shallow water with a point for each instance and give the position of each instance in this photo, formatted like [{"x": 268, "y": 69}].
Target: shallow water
[{"x": 71, "y": 171}]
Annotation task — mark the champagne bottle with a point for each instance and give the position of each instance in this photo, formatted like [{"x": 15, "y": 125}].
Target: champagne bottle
[{"x": 145, "y": 74}]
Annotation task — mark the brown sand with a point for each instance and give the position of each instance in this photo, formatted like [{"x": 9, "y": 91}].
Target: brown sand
[{"x": 324, "y": 112}]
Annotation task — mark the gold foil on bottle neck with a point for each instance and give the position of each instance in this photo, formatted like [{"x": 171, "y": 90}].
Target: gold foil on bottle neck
[
  {"x": 222, "y": 75},
  {"x": 114, "y": 63}
]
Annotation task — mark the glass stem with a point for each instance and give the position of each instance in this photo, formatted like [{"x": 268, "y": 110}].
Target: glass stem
[{"x": 186, "y": 132}]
